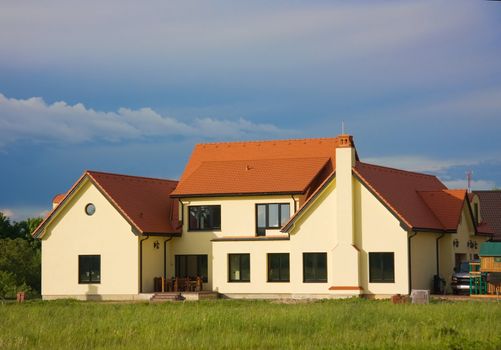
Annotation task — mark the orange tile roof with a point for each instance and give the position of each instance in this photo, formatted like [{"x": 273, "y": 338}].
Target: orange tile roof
[
  {"x": 144, "y": 202},
  {"x": 398, "y": 189},
  {"x": 446, "y": 205},
  {"x": 233, "y": 178},
  {"x": 292, "y": 175}
]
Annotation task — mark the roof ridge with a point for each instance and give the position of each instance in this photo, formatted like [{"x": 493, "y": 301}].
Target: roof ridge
[
  {"x": 408, "y": 172},
  {"x": 269, "y": 141},
  {"x": 262, "y": 159},
  {"x": 443, "y": 190},
  {"x": 130, "y": 176}
]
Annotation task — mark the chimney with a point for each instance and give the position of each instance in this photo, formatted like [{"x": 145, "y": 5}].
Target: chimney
[{"x": 345, "y": 254}]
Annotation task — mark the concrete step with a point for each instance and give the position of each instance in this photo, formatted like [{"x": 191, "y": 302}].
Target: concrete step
[{"x": 166, "y": 297}]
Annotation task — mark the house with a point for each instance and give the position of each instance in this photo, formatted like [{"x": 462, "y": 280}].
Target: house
[
  {"x": 260, "y": 219},
  {"x": 490, "y": 210}
]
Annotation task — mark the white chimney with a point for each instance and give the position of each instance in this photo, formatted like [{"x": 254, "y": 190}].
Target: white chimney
[{"x": 345, "y": 254}]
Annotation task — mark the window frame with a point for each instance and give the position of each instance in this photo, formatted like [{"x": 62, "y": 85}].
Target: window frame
[
  {"x": 205, "y": 279},
  {"x": 89, "y": 270},
  {"x": 326, "y": 268},
  {"x": 240, "y": 255},
  {"x": 191, "y": 229},
  {"x": 267, "y": 217},
  {"x": 382, "y": 280},
  {"x": 280, "y": 280}
]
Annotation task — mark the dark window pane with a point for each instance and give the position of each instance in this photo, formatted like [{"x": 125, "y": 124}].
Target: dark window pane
[
  {"x": 315, "y": 267},
  {"x": 192, "y": 266},
  {"x": 273, "y": 215},
  {"x": 284, "y": 213},
  {"x": 381, "y": 267},
  {"x": 204, "y": 217},
  {"x": 278, "y": 267},
  {"x": 239, "y": 267},
  {"x": 89, "y": 269},
  {"x": 245, "y": 267}
]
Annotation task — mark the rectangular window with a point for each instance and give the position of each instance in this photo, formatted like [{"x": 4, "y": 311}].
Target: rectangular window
[
  {"x": 192, "y": 266},
  {"x": 475, "y": 213},
  {"x": 278, "y": 267},
  {"x": 239, "y": 267},
  {"x": 271, "y": 216},
  {"x": 314, "y": 267},
  {"x": 381, "y": 267},
  {"x": 204, "y": 217},
  {"x": 89, "y": 269}
]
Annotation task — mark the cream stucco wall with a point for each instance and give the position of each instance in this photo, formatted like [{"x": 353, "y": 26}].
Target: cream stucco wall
[
  {"x": 238, "y": 218},
  {"x": 153, "y": 260},
  {"x": 74, "y": 233},
  {"x": 313, "y": 233},
  {"x": 424, "y": 259},
  {"x": 377, "y": 230}
]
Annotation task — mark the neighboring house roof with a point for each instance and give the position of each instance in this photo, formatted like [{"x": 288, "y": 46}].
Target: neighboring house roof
[
  {"x": 58, "y": 198},
  {"x": 278, "y": 166},
  {"x": 490, "y": 210},
  {"x": 143, "y": 202}
]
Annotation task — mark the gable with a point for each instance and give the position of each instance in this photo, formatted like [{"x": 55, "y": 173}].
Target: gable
[
  {"x": 143, "y": 202},
  {"x": 71, "y": 217}
]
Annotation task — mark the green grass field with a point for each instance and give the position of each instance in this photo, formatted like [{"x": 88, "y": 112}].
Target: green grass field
[{"x": 230, "y": 324}]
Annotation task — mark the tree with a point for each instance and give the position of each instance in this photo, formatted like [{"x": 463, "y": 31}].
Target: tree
[{"x": 20, "y": 257}]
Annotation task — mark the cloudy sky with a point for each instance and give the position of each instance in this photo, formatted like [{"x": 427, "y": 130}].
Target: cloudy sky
[{"x": 130, "y": 87}]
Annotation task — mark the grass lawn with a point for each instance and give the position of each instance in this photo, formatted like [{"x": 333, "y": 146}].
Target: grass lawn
[{"x": 231, "y": 324}]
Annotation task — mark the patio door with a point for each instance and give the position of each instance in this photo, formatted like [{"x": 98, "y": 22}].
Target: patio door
[{"x": 192, "y": 266}]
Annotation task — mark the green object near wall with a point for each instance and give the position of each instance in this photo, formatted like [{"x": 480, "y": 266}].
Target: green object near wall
[{"x": 490, "y": 249}]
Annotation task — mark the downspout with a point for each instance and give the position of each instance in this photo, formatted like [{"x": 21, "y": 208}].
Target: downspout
[
  {"x": 141, "y": 263},
  {"x": 409, "y": 257},
  {"x": 294, "y": 200},
  {"x": 436, "y": 253},
  {"x": 165, "y": 256}
]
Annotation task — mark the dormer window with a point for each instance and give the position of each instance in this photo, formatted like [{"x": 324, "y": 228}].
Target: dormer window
[{"x": 271, "y": 216}]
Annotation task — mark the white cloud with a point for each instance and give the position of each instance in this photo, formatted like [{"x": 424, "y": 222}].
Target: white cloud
[
  {"x": 22, "y": 213},
  {"x": 7, "y": 212},
  {"x": 33, "y": 119},
  {"x": 475, "y": 184}
]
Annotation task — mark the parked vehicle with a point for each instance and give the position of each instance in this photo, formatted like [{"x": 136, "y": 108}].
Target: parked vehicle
[{"x": 461, "y": 278}]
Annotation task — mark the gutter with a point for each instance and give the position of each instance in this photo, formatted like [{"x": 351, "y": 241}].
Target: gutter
[
  {"x": 436, "y": 253},
  {"x": 165, "y": 256},
  {"x": 409, "y": 260},
  {"x": 141, "y": 263}
]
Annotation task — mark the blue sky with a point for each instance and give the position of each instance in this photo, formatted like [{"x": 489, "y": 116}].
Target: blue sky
[{"x": 130, "y": 87}]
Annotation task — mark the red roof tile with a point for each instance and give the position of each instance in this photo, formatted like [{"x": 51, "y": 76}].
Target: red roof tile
[
  {"x": 398, "y": 189},
  {"x": 292, "y": 175},
  {"x": 446, "y": 205},
  {"x": 281, "y": 165},
  {"x": 144, "y": 202},
  {"x": 490, "y": 210},
  {"x": 58, "y": 198}
]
